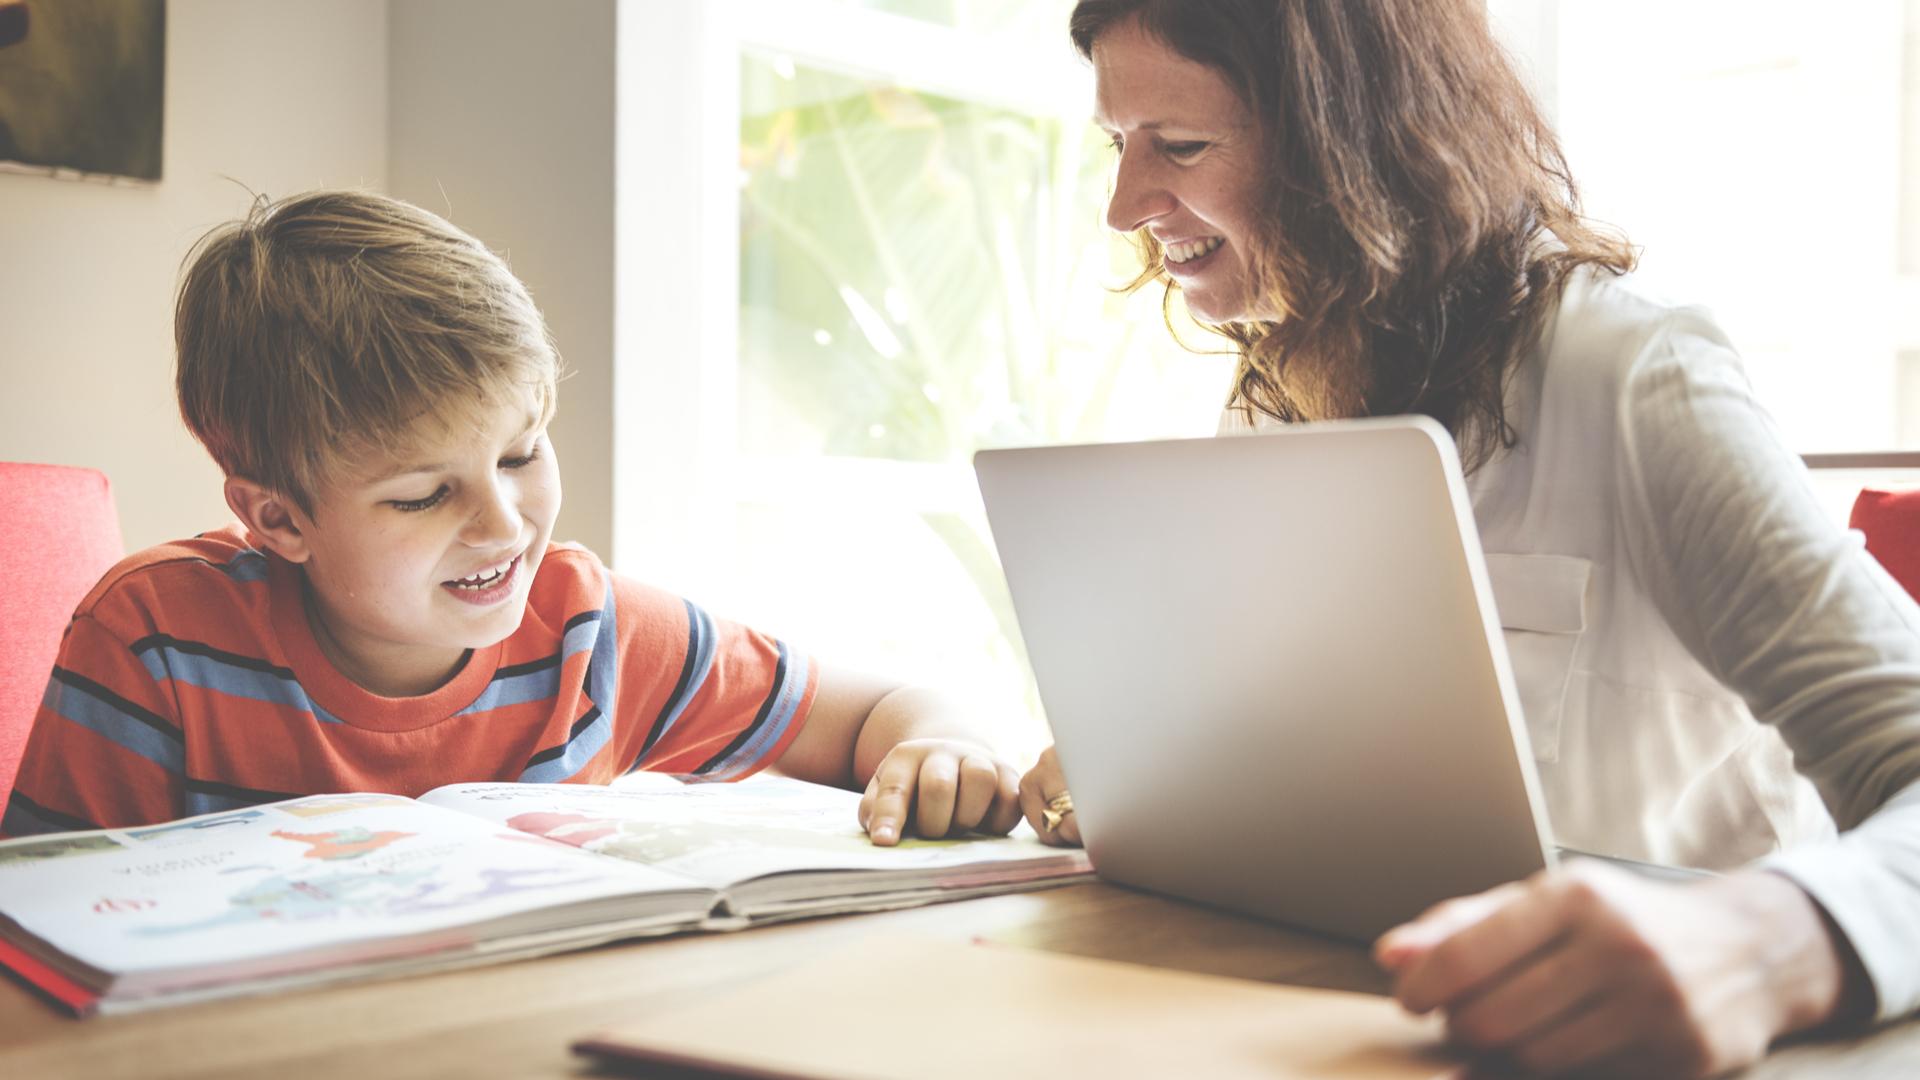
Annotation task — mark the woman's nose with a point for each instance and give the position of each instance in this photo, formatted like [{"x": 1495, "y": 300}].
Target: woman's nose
[{"x": 1138, "y": 195}]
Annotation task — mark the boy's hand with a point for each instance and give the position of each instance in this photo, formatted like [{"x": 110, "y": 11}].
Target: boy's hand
[{"x": 944, "y": 787}]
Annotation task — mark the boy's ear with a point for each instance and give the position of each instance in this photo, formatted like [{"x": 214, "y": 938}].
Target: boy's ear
[{"x": 273, "y": 519}]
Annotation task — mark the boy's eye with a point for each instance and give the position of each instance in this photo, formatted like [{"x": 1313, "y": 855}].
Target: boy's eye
[
  {"x": 414, "y": 505},
  {"x": 521, "y": 462}
]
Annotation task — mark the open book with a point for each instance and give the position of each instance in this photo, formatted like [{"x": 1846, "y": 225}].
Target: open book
[{"x": 334, "y": 887}]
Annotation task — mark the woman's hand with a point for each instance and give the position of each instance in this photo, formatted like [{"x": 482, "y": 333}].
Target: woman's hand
[
  {"x": 943, "y": 787},
  {"x": 1042, "y": 784},
  {"x": 1594, "y": 968}
]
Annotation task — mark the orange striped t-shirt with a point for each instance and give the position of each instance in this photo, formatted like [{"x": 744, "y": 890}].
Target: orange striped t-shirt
[{"x": 189, "y": 681}]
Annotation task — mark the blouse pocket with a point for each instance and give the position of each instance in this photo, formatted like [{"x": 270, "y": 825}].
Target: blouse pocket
[{"x": 1542, "y": 602}]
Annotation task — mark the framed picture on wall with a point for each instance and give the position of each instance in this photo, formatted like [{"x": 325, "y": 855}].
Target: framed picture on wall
[{"x": 81, "y": 84}]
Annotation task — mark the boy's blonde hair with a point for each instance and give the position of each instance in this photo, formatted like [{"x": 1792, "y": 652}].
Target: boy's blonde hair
[{"x": 329, "y": 326}]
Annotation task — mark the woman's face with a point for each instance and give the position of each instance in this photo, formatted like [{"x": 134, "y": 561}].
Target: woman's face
[{"x": 1189, "y": 168}]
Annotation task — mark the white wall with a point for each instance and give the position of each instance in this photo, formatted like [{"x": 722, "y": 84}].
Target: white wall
[
  {"x": 282, "y": 97},
  {"x": 466, "y": 108},
  {"x": 501, "y": 119}
]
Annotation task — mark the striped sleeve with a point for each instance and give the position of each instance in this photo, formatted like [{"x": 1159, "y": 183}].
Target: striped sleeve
[
  {"x": 730, "y": 704},
  {"x": 106, "y": 749}
]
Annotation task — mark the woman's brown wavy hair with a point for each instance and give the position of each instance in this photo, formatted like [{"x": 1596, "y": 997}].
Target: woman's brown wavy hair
[{"x": 1418, "y": 219}]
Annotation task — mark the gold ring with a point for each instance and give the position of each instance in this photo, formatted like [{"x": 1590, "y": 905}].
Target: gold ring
[{"x": 1056, "y": 810}]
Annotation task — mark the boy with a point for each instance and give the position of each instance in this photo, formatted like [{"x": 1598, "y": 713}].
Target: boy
[{"x": 389, "y": 613}]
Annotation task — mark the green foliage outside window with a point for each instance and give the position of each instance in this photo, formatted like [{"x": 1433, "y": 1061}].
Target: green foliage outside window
[{"x": 923, "y": 276}]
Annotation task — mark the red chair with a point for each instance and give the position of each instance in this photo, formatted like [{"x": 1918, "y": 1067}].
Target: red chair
[
  {"x": 58, "y": 534},
  {"x": 1891, "y": 522}
]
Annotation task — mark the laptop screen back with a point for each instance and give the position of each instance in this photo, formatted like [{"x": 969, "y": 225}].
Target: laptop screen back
[{"x": 1272, "y": 667}]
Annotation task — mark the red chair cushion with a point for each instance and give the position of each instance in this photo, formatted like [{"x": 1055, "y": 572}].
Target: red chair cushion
[
  {"x": 58, "y": 534},
  {"x": 1891, "y": 522}
]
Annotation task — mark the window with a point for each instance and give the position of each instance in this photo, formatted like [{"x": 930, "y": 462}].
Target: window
[
  {"x": 1753, "y": 149},
  {"x": 857, "y": 241},
  {"x": 915, "y": 268},
  {"x": 1764, "y": 156}
]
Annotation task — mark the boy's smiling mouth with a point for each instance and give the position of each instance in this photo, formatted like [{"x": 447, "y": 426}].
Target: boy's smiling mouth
[{"x": 489, "y": 585}]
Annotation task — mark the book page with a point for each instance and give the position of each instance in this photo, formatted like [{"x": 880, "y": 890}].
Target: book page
[
  {"x": 723, "y": 834},
  {"x": 328, "y": 871}
]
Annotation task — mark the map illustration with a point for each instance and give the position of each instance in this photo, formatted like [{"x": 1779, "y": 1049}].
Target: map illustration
[
  {"x": 345, "y": 886},
  {"x": 348, "y": 843}
]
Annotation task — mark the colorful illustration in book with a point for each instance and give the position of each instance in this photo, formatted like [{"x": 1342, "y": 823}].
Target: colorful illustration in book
[
  {"x": 352, "y": 842},
  {"x": 334, "y": 804},
  {"x": 657, "y": 842},
  {"x": 370, "y": 896},
  {"x": 575, "y": 830},
  {"x": 194, "y": 825},
  {"x": 61, "y": 848}
]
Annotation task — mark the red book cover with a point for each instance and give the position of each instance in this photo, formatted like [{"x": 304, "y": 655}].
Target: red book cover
[{"x": 75, "y": 998}]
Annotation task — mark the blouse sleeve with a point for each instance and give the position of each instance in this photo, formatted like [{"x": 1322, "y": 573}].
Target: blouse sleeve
[{"x": 1786, "y": 608}]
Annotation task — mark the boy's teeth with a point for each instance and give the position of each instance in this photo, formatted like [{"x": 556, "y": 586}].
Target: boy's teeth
[
  {"x": 485, "y": 577},
  {"x": 1189, "y": 250}
]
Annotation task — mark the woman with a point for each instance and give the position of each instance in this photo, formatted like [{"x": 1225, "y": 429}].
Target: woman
[{"x": 1362, "y": 197}]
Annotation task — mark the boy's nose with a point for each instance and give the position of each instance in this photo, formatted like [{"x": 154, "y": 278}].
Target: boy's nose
[{"x": 495, "y": 520}]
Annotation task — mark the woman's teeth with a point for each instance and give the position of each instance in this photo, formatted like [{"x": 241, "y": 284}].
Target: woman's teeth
[
  {"x": 485, "y": 578},
  {"x": 1189, "y": 250}
]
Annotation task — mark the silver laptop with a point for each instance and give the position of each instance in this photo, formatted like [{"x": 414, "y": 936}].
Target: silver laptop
[{"x": 1273, "y": 668}]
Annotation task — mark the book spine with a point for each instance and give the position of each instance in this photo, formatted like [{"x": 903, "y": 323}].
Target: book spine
[{"x": 65, "y": 992}]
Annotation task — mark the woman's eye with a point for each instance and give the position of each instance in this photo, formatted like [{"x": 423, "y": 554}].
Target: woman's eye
[
  {"x": 415, "y": 505},
  {"x": 1182, "y": 150},
  {"x": 1117, "y": 143}
]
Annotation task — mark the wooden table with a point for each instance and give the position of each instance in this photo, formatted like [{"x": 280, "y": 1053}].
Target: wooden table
[{"x": 518, "y": 1019}]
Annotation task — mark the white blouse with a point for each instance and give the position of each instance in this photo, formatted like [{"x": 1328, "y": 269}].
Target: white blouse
[{"x": 1666, "y": 578}]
